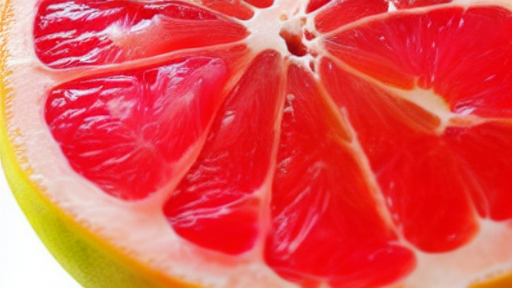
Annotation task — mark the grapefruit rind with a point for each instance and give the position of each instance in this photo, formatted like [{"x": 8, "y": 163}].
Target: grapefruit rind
[{"x": 499, "y": 281}]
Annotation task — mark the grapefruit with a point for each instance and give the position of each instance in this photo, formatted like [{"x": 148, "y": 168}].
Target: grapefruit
[{"x": 263, "y": 143}]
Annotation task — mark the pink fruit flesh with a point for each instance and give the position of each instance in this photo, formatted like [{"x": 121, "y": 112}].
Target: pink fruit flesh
[{"x": 271, "y": 138}]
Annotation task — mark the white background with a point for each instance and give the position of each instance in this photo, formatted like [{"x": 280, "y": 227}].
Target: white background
[{"x": 24, "y": 261}]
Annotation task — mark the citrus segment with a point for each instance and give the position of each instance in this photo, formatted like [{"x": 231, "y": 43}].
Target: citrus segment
[
  {"x": 217, "y": 205},
  {"x": 315, "y": 4},
  {"x": 322, "y": 201},
  {"x": 68, "y": 33},
  {"x": 234, "y": 8},
  {"x": 339, "y": 13},
  {"x": 455, "y": 223},
  {"x": 260, "y": 3},
  {"x": 438, "y": 50},
  {"x": 110, "y": 127},
  {"x": 484, "y": 151}
]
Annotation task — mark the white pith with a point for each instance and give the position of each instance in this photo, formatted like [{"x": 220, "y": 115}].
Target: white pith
[{"x": 154, "y": 242}]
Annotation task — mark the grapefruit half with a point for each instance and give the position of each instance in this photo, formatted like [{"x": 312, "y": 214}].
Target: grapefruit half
[{"x": 263, "y": 143}]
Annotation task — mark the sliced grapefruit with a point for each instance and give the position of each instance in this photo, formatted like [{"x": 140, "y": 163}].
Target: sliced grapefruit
[{"x": 284, "y": 143}]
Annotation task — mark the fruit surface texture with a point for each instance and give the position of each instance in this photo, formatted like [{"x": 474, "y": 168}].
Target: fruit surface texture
[{"x": 263, "y": 143}]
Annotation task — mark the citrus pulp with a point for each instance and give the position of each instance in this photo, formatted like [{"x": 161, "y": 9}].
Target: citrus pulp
[{"x": 285, "y": 143}]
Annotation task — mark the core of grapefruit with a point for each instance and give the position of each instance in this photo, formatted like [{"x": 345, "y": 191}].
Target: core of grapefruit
[{"x": 263, "y": 143}]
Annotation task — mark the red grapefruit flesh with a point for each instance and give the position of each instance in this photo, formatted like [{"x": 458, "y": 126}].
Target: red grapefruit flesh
[
  {"x": 339, "y": 13},
  {"x": 124, "y": 118},
  {"x": 315, "y": 4},
  {"x": 235, "y": 8},
  {"x": 70, "y": 33},
  {"x": 338, "y": 143}
]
